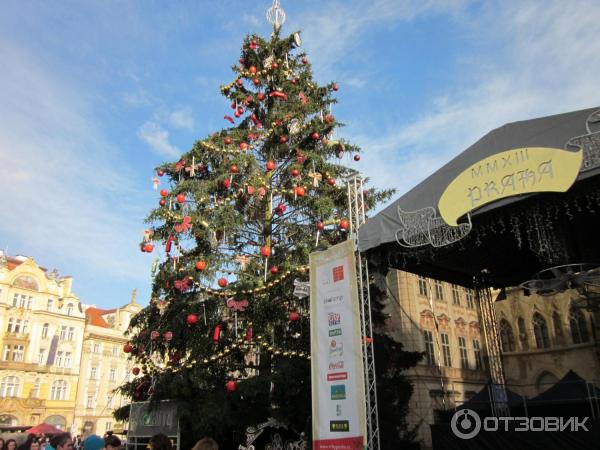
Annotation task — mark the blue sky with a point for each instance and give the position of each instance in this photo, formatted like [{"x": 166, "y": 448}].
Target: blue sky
[{"x": 95, "y": 94}]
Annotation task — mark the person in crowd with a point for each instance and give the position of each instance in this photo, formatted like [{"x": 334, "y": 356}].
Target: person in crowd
[
  {"x": 112, "y": 442},
  {"x": 61, "y": 441},
  {"x": 160, "y": 442},
  {"x": 11, "y": 444},
  {"x": 31, "y": 443},
  {"x": 1, "y": 444},
  {"x": 93, "y": 442},
  {"x": 206, "y": 444}
]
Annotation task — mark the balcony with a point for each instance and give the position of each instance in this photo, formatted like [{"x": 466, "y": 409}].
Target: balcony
[
  {"x": 12, "y": 336},
  {"x": 34, "y": 367}
]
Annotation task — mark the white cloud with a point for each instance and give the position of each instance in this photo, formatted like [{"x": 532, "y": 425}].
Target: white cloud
[
  {"x": 137, "y": 98},
  {"x": 158, "y": 139},
  {"x": 66, "y": 191},
  {"x": 182, "y": 118},
  {"x": 547, "y": 64}
]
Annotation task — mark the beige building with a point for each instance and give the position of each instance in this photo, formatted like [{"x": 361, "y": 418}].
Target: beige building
[
  {"x": 56, "y": 353},
  {"x": 543, "y": 337},
  {"x": 441, "y": 320},
  {"x": 103, "y": 367}
]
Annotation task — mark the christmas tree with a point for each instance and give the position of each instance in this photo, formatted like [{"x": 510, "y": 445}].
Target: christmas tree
[{"x": 227, "y": 330}]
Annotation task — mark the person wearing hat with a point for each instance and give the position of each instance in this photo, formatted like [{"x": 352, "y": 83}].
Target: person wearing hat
[{"x": 93, "y": 442}]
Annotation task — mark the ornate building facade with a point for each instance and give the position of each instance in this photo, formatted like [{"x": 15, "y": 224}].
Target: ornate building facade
[
  {"x": 543, "y": 337},
  {"x": 442, "y": 321},
  {"x": 48, "y": 341}
]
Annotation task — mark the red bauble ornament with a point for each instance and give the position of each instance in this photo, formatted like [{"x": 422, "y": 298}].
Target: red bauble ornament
[
  {"x": 356, "y": 157},
  {"x": 148, "y": 248},
  {"x": 135, "y": 371},
  {"x": 253, "y": 44},
  {"x": 242, "y": 61},
  {"x": 274, "y": 66},
  {"x": 217, "y": 334},
  {"x": 329, "y": 119},
  {"x": 304, "y": 60},
  {"x": 231, "y": 386},
  {"x": 222, "y": 282},
  {"x": 162, "y": 202},
  {"x": 283, "y": 139},
  {"x": 233, "y": 105},
  {"x": 233, "y": 168},
  {"x": 154, "y": 335},
  {"x": 331, "y": 181},
  {"x": 252, "y": 69},
  {"x": 227, "y": 183},
  {"x": 270, "y": 165},
  {"x": 164, "y": 192},
  {"x": 274, "y": 270},
  {"x": 315, "y": 136},
  {"x": 227, "y": 140},
  {"x": 240, "y": 82},
  {"x": 344, "y": 224},
  {"x": 191, "y": 319},
  {"x": 181, "y": 198},
  {"x": 261, "y": 96},
  {"x": 335, "y": 87},
  {"x": 299, "y": 191},
  {"x": 320, "y": 226},
  {"x": 168, "y": 336},
  {"x": 256, "y": 81},
  {"x": 237, "y": 114},
  {"x": 160, "y": 172},
  {"x": 295, "y": 172},
  {"x": 240, "y": 110},
  {"x": 293, "y": 81},
  {"x": 244, "y": 146},
  {"x": 127, "y": 348},
  {"x": 280, "y": 209},
  {"x": 294, "y": 316},
  {"x": 265, "y": 251},
  {"x": 201, "y": 265}
]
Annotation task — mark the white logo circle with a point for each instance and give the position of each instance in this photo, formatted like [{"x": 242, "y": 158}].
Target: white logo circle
[{"x": 465, "y": 424}]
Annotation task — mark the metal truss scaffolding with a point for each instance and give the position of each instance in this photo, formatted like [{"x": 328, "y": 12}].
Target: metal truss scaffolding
[
  {"x": 494, "y": 351},
  {"x": 356, "y": 209}
]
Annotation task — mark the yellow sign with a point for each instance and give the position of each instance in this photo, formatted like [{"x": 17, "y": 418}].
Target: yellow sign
[{"x": 509, "y": 173}]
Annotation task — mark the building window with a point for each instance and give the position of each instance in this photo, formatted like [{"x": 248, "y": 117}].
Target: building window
[
  {"x": 90, "y": 401},
  {"x": 455, "y": 295},
  {"x": 6, "y": 353},
  {"x": 108, "y": 426},
  {"x": 478, "y": 355},
  {"x": 69, "y": 309},
  {"x": 71, "y": 335},
  {"x": 23, "y": 301},
  {"x": 96, "y": 348},
  {"x": 45, "y": 331},
  {"x": 29, "y": 302},
  {"x": 15, "y": 301},
  {"x": 25, "y": 326},
  {"x": 429, "y": 353},
  {"x": 58, "y": 362},
  {"x": 578, "y": 324},
  {"x": 42, "y": 356},
  {"x": 63, "y": 333},
  {"x": 113, "y": 374},
  {"x": 470, "y": 295},
  {"x": 506, "y": 336},
  {"x": 94, "y": 373},
  {"x": 109, "y": 402},
  {"x": 422, "y": 286},
  {"x": 115, "y": 351},
  {"x": 464, "y": 357},
  {"x": 10, "y": 387},
  {"x": 11, "y": 324},
  {"x": 439, "y": 290},
  {"x": 18, "y": 353},
  {"x": 446, "y": 350},
  {"x": 540, "y": 330},
  {"x": 35, "y": 391},
  {"x": 49, "y": 305},
  {"x": 59, "y": 390},
  {"x": 17, "y": 328},
  {"x": 68, "y": 360}
]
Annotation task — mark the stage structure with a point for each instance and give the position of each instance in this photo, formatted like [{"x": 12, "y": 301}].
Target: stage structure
[{"x": 518, "y": 207}]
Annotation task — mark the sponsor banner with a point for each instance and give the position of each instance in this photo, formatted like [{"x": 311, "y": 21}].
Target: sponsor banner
[{"x": 338, "y": 395}]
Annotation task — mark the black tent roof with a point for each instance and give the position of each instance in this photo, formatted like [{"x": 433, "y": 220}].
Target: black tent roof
[
  {"x": 481, "y": 400},
  {"x": 571, "y": 388},
  {"x": 502, "y": 239}
]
